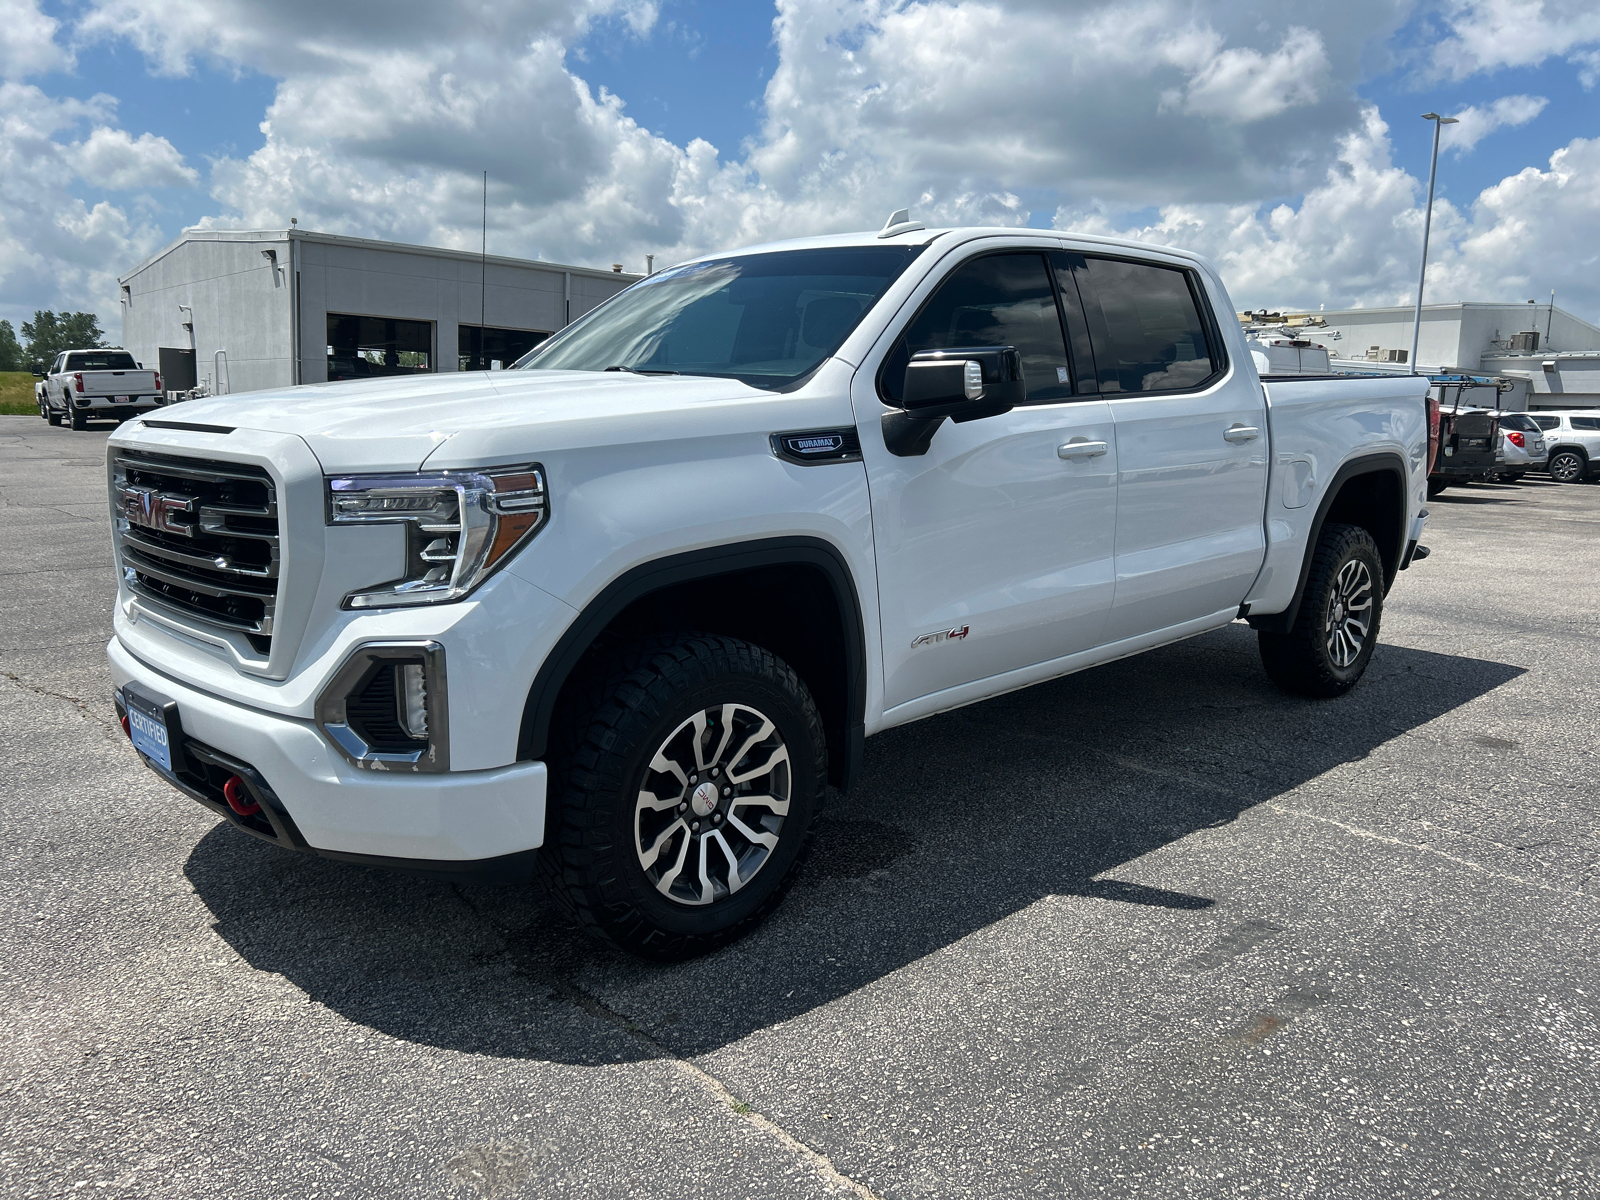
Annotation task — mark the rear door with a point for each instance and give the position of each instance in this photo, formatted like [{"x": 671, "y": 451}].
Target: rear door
[
  {"x": 994, "y": 545},
  {"x": 1192, "y": 445}
]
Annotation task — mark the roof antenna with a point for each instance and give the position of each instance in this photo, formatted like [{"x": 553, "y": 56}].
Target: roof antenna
[{"x": 900, "y": 222}]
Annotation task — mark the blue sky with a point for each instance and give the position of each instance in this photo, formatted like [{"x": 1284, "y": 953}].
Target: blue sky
[{"x": 1208, "y": 106}]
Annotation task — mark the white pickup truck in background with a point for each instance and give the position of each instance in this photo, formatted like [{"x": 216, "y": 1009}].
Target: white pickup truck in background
[
  {"x": 89, "y": 385},
  {"x": 622, "y": 613}
]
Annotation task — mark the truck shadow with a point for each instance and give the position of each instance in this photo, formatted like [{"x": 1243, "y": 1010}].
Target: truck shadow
[{"x": 960, "y": 821}]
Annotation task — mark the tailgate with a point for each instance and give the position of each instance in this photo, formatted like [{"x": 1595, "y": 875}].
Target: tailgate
[{"x": 119, "y": 383}]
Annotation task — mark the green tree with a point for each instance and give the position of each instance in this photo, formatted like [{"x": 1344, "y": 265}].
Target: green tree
[
  {"x": 50, "y": 333},
  {"x": 10, "y": 350}
]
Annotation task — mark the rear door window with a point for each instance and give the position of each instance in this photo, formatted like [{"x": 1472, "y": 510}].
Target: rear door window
[
  {"x": 996, "y": 300},
  {"x": 1147, "y": 327},
  {"x": 1589, "y": 424},
  {"x": 1546, "y": 422}
]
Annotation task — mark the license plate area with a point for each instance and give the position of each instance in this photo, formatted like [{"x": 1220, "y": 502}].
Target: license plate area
[
  {"x": 152, "y": 724},
  {"x": 120, "y": 399}
]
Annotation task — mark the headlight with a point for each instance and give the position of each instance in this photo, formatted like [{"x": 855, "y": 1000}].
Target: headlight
[{"x": 460, "y": 526}]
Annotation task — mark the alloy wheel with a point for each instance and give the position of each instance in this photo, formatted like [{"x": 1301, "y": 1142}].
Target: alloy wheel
[
  {"x": 1349, "y": 613},
  {"x": 1565, "y": 468},
  {"x": 712, "y": 804}
]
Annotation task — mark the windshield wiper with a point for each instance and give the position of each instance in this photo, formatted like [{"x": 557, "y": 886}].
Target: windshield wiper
[{"x": 637, "y": 371}]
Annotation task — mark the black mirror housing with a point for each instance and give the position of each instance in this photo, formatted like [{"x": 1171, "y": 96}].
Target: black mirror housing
[
  {"x": 37, "y": 370},
  {"x": 965, "y": 383}
]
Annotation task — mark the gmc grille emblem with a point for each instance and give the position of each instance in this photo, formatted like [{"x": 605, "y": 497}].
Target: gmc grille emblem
[{"x": 157, "y": 510}]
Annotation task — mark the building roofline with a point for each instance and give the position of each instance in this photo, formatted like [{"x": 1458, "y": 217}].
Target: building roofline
[{"x": 200, "y": 234}]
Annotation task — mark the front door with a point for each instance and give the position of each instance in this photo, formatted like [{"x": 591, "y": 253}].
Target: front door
[
  {"x": 1192, "y": 446},
  {"x": 994, "y": 547}
]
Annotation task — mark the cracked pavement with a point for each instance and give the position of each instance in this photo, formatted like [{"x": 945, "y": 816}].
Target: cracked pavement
[{"x": 1152, "y": 930}]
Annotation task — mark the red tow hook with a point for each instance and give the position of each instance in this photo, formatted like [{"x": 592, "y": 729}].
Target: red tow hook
[
  {"x": 125, "y": 729},
  {"x": 238, "y": 798}
]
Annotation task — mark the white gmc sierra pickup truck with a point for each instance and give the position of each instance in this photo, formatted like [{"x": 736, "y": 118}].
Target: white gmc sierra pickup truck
[
  {"x": 621, "y": 614},
  {"x": 84, "y": 385}
]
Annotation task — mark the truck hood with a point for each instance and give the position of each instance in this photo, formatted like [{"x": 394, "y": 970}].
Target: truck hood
[{"x": 485, "y": 417}]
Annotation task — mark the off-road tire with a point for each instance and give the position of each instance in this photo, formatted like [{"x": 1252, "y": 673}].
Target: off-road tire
[
  {"x": 622, "y": 711},
  {"x": 1567, "y": 466},
  {"x": 80, "y": 419},
  {"x": 1301, "y": 660}
]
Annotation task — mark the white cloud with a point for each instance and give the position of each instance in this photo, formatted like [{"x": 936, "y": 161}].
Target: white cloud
[
  {"x": 1474, "y": 124},
  {"x": 1484, "y": 35},
  {"x": 112, "y": 158},
  {"x": 27, "y": 41},
  {"x": 1244, "y": 84},
  {"x": 1356, "y": 238},
  {"x": 380, "y": 126},
  {"x": 56, "y": 251}
]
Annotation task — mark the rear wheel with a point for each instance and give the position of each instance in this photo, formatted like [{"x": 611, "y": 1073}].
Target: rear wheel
[
  {"x": 1568, "y": 466},
  {"x": 684, "y": 787},
  {"x": 80, "y": 419},
  {"x": 1511, "y": 476},
  {"x": 1328, "y": 649}
]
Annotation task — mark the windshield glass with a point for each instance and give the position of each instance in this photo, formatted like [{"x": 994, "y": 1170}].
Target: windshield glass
[
  {"x": 100, "y": 360},
  {"x": 765, "y": 319}
]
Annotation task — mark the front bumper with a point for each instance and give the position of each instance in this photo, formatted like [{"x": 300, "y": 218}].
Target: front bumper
[{"x": 468, "y": 824}]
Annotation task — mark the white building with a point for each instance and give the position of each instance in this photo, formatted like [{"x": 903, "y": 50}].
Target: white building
[
  {"x": 1552, "y": 354},
  {"x": 270, "y": 308}
]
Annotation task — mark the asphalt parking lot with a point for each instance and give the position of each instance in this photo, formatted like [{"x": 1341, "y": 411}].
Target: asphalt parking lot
[{"x": 1153, "y": 930}]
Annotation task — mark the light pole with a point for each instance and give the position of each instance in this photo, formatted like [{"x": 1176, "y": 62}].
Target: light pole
[{"x": 1427, "y": 225}]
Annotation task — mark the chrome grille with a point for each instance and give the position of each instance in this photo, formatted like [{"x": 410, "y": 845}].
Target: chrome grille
[{"x": 198, "y": 540}]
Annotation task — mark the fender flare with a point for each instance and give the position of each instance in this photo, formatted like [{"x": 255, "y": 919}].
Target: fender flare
[
  {"x": 1383, "y": 461},
  {"x": 640, "y": 581}
]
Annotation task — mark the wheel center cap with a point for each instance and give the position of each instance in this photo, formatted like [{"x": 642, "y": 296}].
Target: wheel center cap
[
  {"x": 1338, "y": 612},
  {"x": 703, "y": 799}
]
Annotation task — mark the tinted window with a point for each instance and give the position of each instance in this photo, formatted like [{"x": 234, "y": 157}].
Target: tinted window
[
  {"x": 1585, "y": 422},
  {"x": 1519, "y": 421},
  {"x": 100, "y": 360},
  {"x": 1546, "y": 422},
  {"x": 1147, "y": 330},
  {"x": 999, "y": 300},
  {"x": 765, "y": 319}
]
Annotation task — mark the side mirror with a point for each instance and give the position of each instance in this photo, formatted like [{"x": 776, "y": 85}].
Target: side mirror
[
  {"x": 964, "y": 384},
  {"x": 37, "y": 369}
]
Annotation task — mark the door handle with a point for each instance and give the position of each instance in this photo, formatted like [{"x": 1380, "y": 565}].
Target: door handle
[
  {"x": 1241, "y": 433},
  {"x": 1080, "y": 447}
]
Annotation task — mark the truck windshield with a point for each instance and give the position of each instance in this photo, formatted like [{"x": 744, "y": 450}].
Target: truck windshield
[
  {"x": 764, "y": 319},
  {"x": 101, "y": 360}
]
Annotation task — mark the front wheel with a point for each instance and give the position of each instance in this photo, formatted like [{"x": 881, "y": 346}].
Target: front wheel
[
  {"x": 1567, "y": 466},
  {"x": 684, "y": 787},
  {"x": 1328, "y": 649}
]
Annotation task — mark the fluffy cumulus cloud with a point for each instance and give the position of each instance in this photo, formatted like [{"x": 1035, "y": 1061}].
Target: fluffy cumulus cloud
[
  {"x": 1473, "y": 124},
  {"x": 57, "y": 249},
  {"x": 1354, "y": 238},
  {"x": 61, "y": 248},
  {"x": 969, "y": 111}
]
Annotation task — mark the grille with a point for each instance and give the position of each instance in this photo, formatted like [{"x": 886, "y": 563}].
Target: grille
[{"x": 198, "y": 539}]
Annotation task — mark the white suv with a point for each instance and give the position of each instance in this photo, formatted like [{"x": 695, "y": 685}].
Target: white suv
[{"x": 1572, "y": 440}]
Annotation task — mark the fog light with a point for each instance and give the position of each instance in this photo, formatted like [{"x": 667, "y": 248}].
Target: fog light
[{"x": 414, "y": 700}]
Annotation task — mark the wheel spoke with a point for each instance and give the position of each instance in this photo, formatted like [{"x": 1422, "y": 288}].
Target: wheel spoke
[
  {"x": 708, "y": 890},
  {"x": 780, "y": 755},
  {"x": 735, "y": 880},
  {"x": 648, "y": 857},
  {"x": 780, "y": 807},
  {"x": 667, "y": 766},
  {"x": 670, "y": 876},
  {"x": 759, "y": 836},
  {"x": 648, "y": 799}
]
